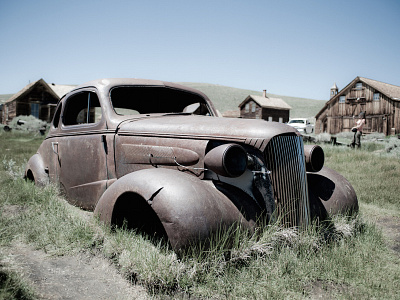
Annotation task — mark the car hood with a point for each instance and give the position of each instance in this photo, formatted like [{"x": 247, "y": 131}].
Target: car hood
[{"x": 253, "y": 132}]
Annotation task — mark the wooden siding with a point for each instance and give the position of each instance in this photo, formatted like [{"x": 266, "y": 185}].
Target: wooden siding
[
  {"x": 263, "y": 113},
  {"x": 23, "y": 104},
  {"x": 275, "y": 114},
  {"x": 257, "y": 114},
  {"x": 381, "y": 116}
]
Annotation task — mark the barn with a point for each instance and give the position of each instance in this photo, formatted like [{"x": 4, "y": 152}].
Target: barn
[
  {"x": 38, "y": 99},
  {"x": 264, "y": 107},
  {"x": 380, "y": 101}
]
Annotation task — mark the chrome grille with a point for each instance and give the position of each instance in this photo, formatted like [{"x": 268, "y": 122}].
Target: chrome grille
[{"x": 285, "y": 159}]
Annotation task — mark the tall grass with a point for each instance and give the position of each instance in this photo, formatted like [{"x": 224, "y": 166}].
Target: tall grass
[
  {"x": 373, "y": 175},
  {"x": 349, "y": 259}
]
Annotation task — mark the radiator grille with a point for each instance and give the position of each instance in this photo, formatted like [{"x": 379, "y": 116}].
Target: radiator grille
[{"x": 285, "y": 159}]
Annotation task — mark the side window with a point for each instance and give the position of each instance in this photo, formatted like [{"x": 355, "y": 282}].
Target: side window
[
  {"x": 82, "y": 108},
  {"x": 56, "y": 118}
]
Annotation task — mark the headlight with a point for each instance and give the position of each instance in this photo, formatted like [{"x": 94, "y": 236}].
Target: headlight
[
  {"x": 228, "y": 160},
  {"x": 314, "y": 158}
]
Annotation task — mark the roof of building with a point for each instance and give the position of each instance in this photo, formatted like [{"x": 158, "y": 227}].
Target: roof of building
[
  {"x": 389, "y": 90},
  {"x": 334, "y": 87},
  {"x": 61, "y": 89},
  {"x": 267, "y": 102},
  {"x": 58, "y": 90}
]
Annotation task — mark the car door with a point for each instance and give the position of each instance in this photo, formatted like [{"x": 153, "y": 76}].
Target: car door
[{"x": 82, "y": 168}]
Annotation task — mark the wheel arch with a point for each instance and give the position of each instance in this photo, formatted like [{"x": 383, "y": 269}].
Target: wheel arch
[
  {"x": 36, "y": 171},
  {"x": 188, "y": 208},
  {"x": 330, "y": 194}
]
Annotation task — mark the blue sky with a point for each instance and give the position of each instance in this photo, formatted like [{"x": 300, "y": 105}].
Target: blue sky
[{"x": 293, "y": 48}]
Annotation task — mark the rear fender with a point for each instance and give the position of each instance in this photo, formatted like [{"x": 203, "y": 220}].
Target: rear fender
[
  {"x": 189, "y": 209},
  {"x": 35, "y": 170},
  {"x": 330, "y": 194}
]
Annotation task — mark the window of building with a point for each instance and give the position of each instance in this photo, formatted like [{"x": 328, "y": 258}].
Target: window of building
[
  {"x": 281, "y": 120},
  {"x": 376, "y": 96},
  {"x": 342, "y": 99},
  {"x": 253, "y": 107},
  {"x": 270, "y": 119},
  {"x": 359, "y": 86},
  {"x": 247, "y": 107},
  {"x": 35, "y": 109}
]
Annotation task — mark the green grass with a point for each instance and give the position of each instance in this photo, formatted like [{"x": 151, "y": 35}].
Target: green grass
[
  {"x": 373, "y": 175},
  {"x": 350, "y": 261},
  {"x": 13, "y": 287}
]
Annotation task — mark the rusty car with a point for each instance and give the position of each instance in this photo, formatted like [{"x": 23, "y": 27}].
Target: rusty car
[{"x": 157, "y": 156}]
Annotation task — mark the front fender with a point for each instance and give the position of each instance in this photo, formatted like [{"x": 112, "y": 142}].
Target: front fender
[
  {"x": 35, "y": 170},
  {"x": 330, "y": 194},
  {"x": 188, "y": 208}
]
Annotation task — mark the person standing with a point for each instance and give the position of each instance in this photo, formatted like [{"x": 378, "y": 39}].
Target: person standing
[{"x": 357, "y": 129}]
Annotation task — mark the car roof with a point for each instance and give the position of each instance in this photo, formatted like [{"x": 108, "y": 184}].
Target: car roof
[{"x": 108, "y": 83}]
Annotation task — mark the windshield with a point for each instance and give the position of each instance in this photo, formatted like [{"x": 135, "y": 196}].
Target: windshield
[
  {"x": 296, "y": 122},
  {"x": 131, "y": 100}
]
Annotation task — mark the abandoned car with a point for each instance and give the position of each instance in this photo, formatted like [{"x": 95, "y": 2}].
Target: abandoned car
[{"x": 156, "y": 156}]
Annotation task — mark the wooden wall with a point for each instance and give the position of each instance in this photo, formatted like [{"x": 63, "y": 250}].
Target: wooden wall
[
  {"x": 263, "y": 113},
  {"x": 275, "y": 114},
  {"x": 22, "y": 105},
  {"x": 381, "y": 116},
  {"x": 257, "y": 114}
]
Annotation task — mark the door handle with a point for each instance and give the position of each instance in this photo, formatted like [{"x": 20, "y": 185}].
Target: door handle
[{"x": 53, "y": 146}]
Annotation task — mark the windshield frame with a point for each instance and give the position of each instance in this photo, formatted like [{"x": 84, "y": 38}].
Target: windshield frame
[{"x": 164, "y": 90}]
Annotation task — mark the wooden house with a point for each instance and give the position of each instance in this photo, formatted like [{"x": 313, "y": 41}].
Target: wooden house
[
  {"x": 38, "y": 99},
  {"x": 264, "y": 107},
  {"x": 380, "y": 102}
]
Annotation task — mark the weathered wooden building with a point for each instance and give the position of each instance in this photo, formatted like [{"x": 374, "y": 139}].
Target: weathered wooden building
[
  {"x": 38, "y": 99},
  {"x": 266, "y": 108},
  {"x": 380, "y": 102}
]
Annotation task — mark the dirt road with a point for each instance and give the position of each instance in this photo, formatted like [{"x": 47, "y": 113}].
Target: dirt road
[{"x": 69, "y": 277}]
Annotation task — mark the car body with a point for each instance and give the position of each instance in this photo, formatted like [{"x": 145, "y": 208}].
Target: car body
[
  {"x": 156, "y": 156},
  {"x": 302, "y": 125}
]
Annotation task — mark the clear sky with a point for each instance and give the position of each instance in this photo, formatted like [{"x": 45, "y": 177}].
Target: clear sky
[{"x": 294, "y": 48}]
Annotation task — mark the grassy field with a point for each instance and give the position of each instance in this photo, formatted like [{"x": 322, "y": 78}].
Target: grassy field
[{"x": 356, "y": 260}]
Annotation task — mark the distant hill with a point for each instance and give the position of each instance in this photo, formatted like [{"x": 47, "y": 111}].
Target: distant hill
[
  {"x": 228, "y": 98},
  {"x": 5, "y": 97}
]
